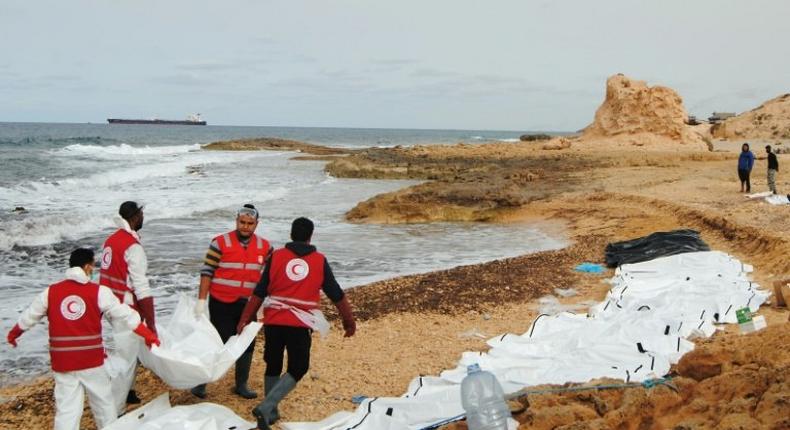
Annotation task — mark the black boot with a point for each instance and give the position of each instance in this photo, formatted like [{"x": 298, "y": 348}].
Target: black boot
[
  {"x": 263, "y": 412},
  {"x": 131, "y": 398},
  {"x": 268, "y": 383},
  {"x": 242, "y": 374},
  {"x": 199, "y": 391}
]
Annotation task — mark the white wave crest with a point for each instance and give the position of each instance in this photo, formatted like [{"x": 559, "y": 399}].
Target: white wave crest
[
  {"x": 177, "y": 167},
  {"x": 112, "y": 151},
  {"x": 53, "y": 226}
]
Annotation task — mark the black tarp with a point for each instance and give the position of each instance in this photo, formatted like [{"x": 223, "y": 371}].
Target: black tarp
[{"x": 656, "y": 245}]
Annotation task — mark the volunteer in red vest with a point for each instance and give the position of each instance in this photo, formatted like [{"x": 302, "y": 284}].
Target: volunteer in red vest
[
  {"x": 74, "y": 308},
  {"x": 123, "y": 270},
  {"x": 231, "y": 270},
  {"x": 289, "y": 291}
]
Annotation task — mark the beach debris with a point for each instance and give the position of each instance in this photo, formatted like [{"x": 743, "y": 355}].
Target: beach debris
[
  {"x": 748, "y": 323},
  {"x": 550, "y": 305},
  {"x": 778, "y": 199},
  {"x": 565, "y": 292},
  {"x": 589, "y": 268},
  {"x": 758, "y": 195},
  {"x": 659, "y": 244},
  {"x": 159, "y": 414},
  {"x": 473, "y": 333},
  {"x": 631, "y": 339}
]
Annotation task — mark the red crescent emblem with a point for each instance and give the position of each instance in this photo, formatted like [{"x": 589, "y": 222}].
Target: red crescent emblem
[{"x": 297, "y": 269}]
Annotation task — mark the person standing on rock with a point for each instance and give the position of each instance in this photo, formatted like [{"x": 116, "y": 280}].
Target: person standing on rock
[
  {"x": 745, "y": 164},
  {"x": 74, "y": 309},
  {"x": 290, "y": 293},
  {"x": 231, "y": 270},
  {"x": 773, "y": 168}
]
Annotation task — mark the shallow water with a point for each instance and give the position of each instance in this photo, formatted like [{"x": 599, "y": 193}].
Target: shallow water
[{"x": 70, "y": 186}]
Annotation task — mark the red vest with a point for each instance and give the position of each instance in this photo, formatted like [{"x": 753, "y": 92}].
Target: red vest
[
  {"x": 239, "y": 269},
  {"x": 114, "y": 270},
  {"x": 75, "y": 341},
  {"x": 295, "y": 281}
]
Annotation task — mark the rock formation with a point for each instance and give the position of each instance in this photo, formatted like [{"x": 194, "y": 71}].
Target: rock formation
[
  {"x": 769, "y": 121},
  {"x": 636, "y": 114}
]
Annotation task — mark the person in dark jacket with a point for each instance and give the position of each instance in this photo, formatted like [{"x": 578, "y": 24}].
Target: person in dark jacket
[
  {"x": 773, "y": 167},
  {"x": 745, "y": 164},
  {"x": 289, "y": 291}
]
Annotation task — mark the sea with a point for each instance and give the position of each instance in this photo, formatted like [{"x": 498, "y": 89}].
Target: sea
[{"x": 61, "y": 184}]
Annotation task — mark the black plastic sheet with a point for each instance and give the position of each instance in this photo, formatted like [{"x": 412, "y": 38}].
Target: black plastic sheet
[{"x": 659, "y": 244}]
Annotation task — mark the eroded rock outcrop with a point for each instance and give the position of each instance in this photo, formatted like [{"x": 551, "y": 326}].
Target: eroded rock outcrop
[
  {"x": 274, "y": 144},
  {"x": 769, "y": 121},
  {"x": 634, "y": 114}
]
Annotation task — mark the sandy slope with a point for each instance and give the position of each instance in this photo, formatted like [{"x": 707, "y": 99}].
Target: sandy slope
[
  {"x": 611, "y": 187},
  {"x": 768, "y": 122},
  {"x": 411, "y": 325}
]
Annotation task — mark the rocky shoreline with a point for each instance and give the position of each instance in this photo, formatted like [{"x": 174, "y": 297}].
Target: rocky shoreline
[
  {"x": 628, "y": 176},
  {"x": 420, "y": 324}
]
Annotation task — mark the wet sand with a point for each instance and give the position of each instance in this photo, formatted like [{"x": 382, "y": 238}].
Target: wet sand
[{"x": 421, "y": 324}]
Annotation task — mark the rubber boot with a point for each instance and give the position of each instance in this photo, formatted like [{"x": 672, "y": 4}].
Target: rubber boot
[
  {"x": 263, "y": 412},
  {"x": 199, "y": 391},
  {"x": 268, "y": 383},
  {"x": 242, "y": 374}
]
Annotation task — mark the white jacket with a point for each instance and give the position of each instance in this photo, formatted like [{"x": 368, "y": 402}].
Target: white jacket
[
  {"x": 137, "y": 262},
  {"x": 108, "y": 304}
]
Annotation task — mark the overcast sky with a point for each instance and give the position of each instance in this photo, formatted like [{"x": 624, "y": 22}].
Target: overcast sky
[{"x": 510, "y": 65}]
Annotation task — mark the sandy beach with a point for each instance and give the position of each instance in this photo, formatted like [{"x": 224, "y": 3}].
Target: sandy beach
[{"x": 593, "y": 190}]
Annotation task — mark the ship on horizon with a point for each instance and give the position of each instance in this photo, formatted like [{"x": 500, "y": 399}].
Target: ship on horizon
[{"x": 191, "y": 120}]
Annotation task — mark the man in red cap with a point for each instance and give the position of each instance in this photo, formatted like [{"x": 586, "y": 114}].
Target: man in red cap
[
  {"x": 230, "y": 272},
  {"x": 74, "y": 308},
  {"x": 123, "y": 270},
  {"x": 290, "y": 291}
]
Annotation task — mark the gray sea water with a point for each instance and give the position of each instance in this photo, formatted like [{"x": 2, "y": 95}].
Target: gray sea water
[{"x": 70, "y": 179}]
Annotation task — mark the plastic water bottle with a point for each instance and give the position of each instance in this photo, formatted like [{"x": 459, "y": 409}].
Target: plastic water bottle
[{"x": 483, "y": 400}]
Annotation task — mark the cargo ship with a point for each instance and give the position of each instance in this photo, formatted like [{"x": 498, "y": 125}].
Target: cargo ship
[{"x": 191, "y": 120}]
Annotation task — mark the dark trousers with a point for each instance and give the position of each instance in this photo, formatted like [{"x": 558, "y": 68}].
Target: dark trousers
[
  {"x": 743, "y": 175},
  {"x": 295, "y": 340},
  {"x": 225, "y": 317}
]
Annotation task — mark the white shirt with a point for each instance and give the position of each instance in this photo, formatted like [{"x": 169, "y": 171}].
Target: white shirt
[
  {"x": 108, "y": 304},
  {"x": 137, "y": 263}
]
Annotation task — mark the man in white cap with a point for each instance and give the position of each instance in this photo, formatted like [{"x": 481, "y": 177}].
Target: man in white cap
[{"x": 231, "y": 270}]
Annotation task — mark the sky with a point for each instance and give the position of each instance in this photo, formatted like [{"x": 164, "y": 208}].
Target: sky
[{"x": 442, "y": 64}]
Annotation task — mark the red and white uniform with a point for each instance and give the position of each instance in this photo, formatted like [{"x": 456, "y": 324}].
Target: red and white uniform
[
  {"x": 124, "y": 264},
  {"x": 239, "y": 268},
  {"x": 74, "y": 308},
  {"x": 123, "y": 269},
  {"x": 294, "y": 284}
]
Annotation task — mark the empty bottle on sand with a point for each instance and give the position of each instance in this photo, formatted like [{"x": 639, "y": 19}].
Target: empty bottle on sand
[{"x": 483, "y": 400}]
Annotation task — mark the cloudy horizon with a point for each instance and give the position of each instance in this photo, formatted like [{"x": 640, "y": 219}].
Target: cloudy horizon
[{"x": 508, "y": 65}]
